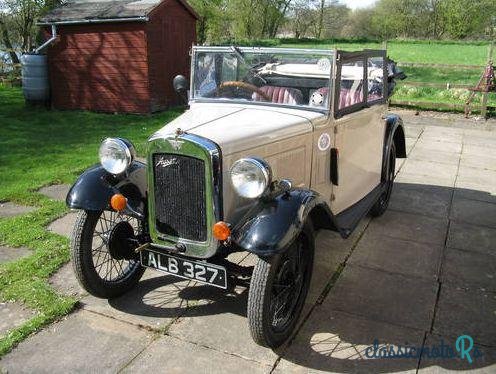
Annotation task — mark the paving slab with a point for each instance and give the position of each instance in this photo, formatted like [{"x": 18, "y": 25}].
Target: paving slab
[
  {"x": 433, "y": 155},
  {"x": 56, "y": 192},
  {"x": 433, "y": 201},
  {"x": 337, "y": 342},
  {"x": 8, "y": 254},
  {"x": 64, "y": 225},
  {"x": 480, "y": 365},
  {"x": 64, "y": 282},
  {"x": 331, "y": 250},
  {"x": 413, "y": 131},
  {"x": 398, "y": 256},
  {"x": 13, "y": 315},
  {"x": 10, "y": 209},
  {"x": 429, "y": 168},
  {"x": 403, "y": 177},
  {"x": 473, "y": 212},
  {"x": 470, "y": 161},
  {"x": 384, "y": 297},
  {"x": 472, "y": 238},
  {"x": 469, "y": 269},
  {"x": 425, "y": 143},
  {"x": 156, "y": 302},
  {"x": 475, "y": 150},
  {"x": 222, "y": 325},
  {"x": 409, "y": 226},
  {"x": 172, "y": 355},
  {"x": 466, "y": 311},
  {"x": 83, "y": 342}
]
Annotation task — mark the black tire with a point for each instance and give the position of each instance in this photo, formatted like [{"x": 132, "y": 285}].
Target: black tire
[
  {"x": 84, "y": 250},
  {"x": 261, "y": 293},
  {"x": 383, "y": 202}
]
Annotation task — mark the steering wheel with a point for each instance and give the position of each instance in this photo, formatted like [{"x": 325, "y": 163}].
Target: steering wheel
[{"x": 244, "y": 86}]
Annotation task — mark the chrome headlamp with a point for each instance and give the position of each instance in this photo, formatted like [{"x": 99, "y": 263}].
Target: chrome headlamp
[
  {"x": 116, "y": 155},
  {"x": 250, "y": 177}
]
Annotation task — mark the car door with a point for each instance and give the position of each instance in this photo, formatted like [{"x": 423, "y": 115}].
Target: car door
[{"x": 359, "y": 108}]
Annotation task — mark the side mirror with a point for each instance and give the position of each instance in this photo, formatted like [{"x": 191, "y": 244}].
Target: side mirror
[{"x": 180, "y": 84}]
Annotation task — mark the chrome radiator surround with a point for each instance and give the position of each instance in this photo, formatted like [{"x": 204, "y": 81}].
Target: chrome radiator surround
[{"x": 207, "y": 151}]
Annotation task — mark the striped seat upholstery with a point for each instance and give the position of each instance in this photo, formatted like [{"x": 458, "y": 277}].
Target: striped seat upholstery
[{"x": 280, "y": 95}]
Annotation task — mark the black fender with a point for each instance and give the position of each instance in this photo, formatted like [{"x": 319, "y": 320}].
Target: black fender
[
  {"x": 395, "y": 133},
  {"x": 273, "y": 223},
  {"x": 94, "y": 188}
]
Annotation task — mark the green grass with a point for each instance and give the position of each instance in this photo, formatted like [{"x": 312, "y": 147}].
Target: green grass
[
  {"x": 41, "y": 147},
  {"x": 430, "y": 52}
]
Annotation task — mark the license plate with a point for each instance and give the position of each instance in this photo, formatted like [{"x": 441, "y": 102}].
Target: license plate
[{"x": 185, "y": 268}]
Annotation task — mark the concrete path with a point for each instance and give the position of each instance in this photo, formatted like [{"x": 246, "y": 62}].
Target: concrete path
[{"x": 421, "y": 275}]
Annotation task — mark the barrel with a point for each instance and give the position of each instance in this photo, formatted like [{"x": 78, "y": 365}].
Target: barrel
[{"x": 35, "y": 84}]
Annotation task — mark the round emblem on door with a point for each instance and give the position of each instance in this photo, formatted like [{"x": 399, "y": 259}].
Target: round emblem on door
[{"x": 324, "y": 142}]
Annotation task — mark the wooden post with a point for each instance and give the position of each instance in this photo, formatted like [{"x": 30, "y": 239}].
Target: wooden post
[{"x": 485, "y": 94}]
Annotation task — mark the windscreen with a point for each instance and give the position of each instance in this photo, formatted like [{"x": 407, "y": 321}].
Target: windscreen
[{"x": 246, "y": 75}]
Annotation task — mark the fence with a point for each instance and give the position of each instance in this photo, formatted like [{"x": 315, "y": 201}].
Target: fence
[{"x": 482, "y": 108}]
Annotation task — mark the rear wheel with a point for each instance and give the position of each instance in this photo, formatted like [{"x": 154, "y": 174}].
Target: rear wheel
[
  {"x": 102, "y": 254},
  {"x": 278, "y": 289},
  {"x": 382, "y": 204}
]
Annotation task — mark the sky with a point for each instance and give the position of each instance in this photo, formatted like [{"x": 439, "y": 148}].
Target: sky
[{"x": 354, "y": 4}]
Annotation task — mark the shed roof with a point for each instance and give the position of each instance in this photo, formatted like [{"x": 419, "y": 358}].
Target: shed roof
[{"x": 88, "y": 11}]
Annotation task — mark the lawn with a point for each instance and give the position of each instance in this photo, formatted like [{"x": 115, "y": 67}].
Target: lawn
[
  {"x": 426, "y": 52},
  {"x": 40, "y": 147}
]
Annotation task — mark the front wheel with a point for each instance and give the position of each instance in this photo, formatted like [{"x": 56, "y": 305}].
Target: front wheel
[
  {"x": 102, "y": 255},
  {"x": 278, "y": 289}
]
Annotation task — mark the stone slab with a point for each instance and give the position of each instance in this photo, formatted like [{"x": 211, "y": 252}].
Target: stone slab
[
  {"x": 433, "y": 201},
  {"x": 337, "y": 342},
  {"x": 470, "y": 161},
  {"x": 156, "y": 302},
  {"x": 433, "y": 155},
  {"x": 384, "y": 297},
  {"x": 83, "y": 342},
  {"x": 473, "y": 212},
  {"x": 466, "y": 189},
  {"x": 477, "y": 176},
  {"x": 55, "y": 192},
  {"x": 221, "y": 324},
  {"x": 398, "y": 256},
  {"x": 476, "y": 150},
  {"x": 8, "y": 254},
  {"x": 10, "y": 209},
  {"x": 466, "y": 311},
  {"x": 469, "y": 269},
  {"x": 64, "y": 282},
  {"x": 172, "y": 355},
  {"x": 453, "y": 147},
  {"x": 486, "y": 364},
  {"x": 413, "y": 131},
  {"x": 409, "y": 226},
  {"x": 13, "y": 315},
  {"x": 64, "y": 225},
  {"x": 403, "y": 177},
  {"x": 430, "y": 168},
  {"x": 472, "y": 238}
]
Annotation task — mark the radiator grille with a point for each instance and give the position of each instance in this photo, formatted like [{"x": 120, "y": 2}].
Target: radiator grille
[{"x": 180, "y": 204}]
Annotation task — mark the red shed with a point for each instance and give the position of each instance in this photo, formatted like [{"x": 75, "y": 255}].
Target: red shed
[{"x": 118, "y": 55}]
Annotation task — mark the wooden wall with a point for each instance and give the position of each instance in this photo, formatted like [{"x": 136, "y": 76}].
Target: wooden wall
[
  {"x": 100, "y": 67},
  {"x": 171, "y": 32}
]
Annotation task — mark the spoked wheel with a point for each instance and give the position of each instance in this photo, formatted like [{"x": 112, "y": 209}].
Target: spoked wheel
[
  {"x": 102, "y": 255},
  {"x": 382, "y": 204},
  {"x": 278, "y": 290}
]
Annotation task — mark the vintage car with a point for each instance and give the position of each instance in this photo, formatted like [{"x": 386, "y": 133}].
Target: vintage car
[{"x": 276, "y": 144}]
